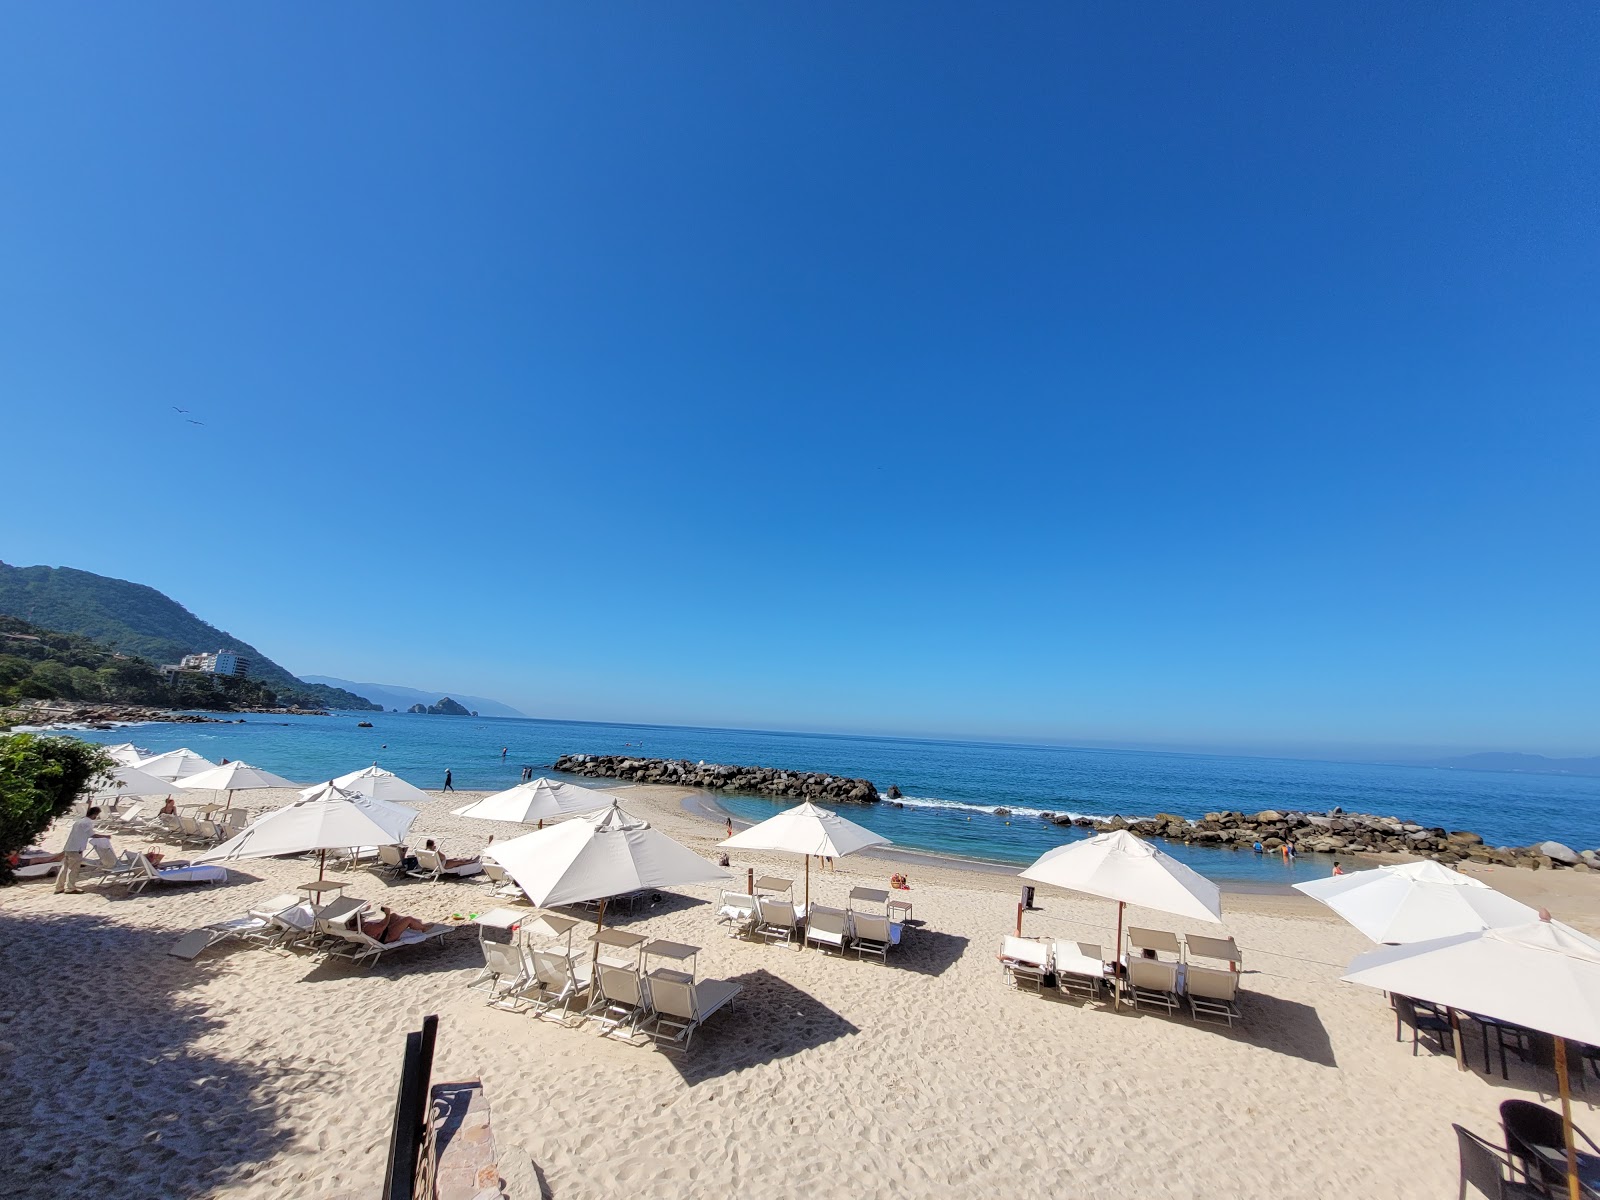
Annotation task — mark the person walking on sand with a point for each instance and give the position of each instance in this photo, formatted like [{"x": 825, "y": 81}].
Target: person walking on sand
[
  {"x": 730, "y": 826},
  {"x": 72, "y": 853},
  {"x": 448, "y": 786}
]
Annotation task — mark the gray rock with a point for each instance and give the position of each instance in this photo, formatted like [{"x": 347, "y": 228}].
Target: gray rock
[{"x": 1558, "y": 853}]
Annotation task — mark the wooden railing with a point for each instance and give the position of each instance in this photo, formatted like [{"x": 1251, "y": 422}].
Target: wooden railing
[{"x": 410, "y": 1172}]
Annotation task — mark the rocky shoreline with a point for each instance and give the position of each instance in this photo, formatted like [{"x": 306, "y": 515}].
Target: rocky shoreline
[
  {"x": 764, "y": 781},
  {"x": 57, "y": 714},
  {"x": 1332, "y": 832}
]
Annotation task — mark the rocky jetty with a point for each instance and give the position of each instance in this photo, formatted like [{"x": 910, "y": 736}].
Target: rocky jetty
[
  {"x": 53, "y": 714},
  {"x": 762, "y": 781},
  {"x": 1339, "y": 832}
]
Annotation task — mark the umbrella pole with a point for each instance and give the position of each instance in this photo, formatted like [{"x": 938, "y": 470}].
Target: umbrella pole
[
  {"x": 322, "y": 864},
  {"x": 1116, "y": 963},
  {"x": 808, "y": 897},
  {"x": 1565, "y": 1087}
]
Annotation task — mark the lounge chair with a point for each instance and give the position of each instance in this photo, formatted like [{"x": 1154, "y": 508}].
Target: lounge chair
[
  {"x": 1212, "y": 993},
  {"x": 506, "y": 970},
  {"x": 1424, "y": 1022},
  {"x": 349, "y": 942},
  {"x": 873, "y": 935},
  {"x": 113, "y": 867},
  {"x": 298, "y": 926},
  {"x": 142, "y": 872},
  {"x": 682, "y": 1007},
  {"x": 390, "y": 862},
  {"x": 827, "y": 927},
  {"x": 618, "y": 998},
  {"x": 430, "y": 865},
  {"x": 1026, "y": 961},
  {"x": 1486, "y": 1167},
  {"x": 1158, "y": 940},
  {"x": 1223, "y": 950},
  {"x": 169, "y": 826},
  {"x": 1080, "y": 969},
  {"x": 503, "y": 885},
  {"x": 1152, "y": 984},
  {"x": 777, "y": 920},
  {"x": 255, "y": 924},
  {"x": 121, "y": 821},
  {"x": 738, "y": 912},
  {"x": 1537, "y": 1145},
  {"x": 38, "y": 869},
  {"x": 556, "y": 979}
]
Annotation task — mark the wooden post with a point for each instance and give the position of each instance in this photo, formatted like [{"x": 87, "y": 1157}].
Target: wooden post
[
  {"x": 749, "y": 881},
  {"x": 1116, "y": 964},
  {"x": 1565, "y": 1087}
]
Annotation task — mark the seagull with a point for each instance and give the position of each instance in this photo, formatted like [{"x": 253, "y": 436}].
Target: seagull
[
  {"x": 175, "y": 408},
  {"x": 192, "y": 421}
]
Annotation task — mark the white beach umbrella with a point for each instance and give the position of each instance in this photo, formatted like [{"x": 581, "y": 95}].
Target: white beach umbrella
[
  {"x": 235, "y": 776},
  {"x": 609, "y": 853},
  {"x": 1118, "y": 866},
  {"x": 126, "y": 753},
  {"x": 377, "y": 784},
  {"x": 806, "y": 829},
  {"x": 1416, "y": 902},
  {"x": 1543, "y": 975},
  {"x": 330, "y": 818},
  {"x": 539, "y": 801},
  {"x": 175, "y": 765},
  {"x": 131, "y": 781}
]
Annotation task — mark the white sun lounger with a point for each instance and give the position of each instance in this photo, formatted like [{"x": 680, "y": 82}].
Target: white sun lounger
[
  {"x": 738, "y": 912},
  {"x": 1026, "y": 962},
  {"x": 873, "y": 935},
  {"x": 255, "y": 924},
  {"x": 359, "y": 948},
  {"x": 827, "y": 928},
  {"x": 557, "y": 979},
  {"x": 1212, "y": 993},
  {"x": 778, "y": 920},
  {"x": 1153, "y": 984},
  {"x": 430, "y": 865},
  {"x": 142, "y": 873},
  {"x": 618, "y": 998},
  {"x": 1080, "y": 968},
  {"x": 38, "y": 870},
  {"x": 681, "y": 1007}
]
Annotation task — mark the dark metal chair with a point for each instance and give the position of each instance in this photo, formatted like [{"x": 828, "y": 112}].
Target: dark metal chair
[
  {"x": 1485, "y": 1167},
  {"x": 1530, "y": 1127},
  {"x": 1506, "y": 1036},
  {"x": 1423, "y": 1021}
]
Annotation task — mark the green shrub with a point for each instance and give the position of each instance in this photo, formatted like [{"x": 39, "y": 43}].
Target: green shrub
[{"x": 39, "y": 779}]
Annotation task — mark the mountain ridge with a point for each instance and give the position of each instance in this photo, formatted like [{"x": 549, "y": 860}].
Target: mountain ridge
[
  {"x": 140, "y": 620},
  {"x": 1536, "y": 764}
]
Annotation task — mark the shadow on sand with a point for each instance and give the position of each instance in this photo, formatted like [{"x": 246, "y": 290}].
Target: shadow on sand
[
  {"x": 771, "y": 1020},
  {"x": 99, "y": 1023}
]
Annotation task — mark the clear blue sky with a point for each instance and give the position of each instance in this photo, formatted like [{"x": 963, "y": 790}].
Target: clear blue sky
[{"x": 1161, "y": 374}]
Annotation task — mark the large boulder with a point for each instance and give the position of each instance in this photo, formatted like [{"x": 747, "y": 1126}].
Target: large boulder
[
  {"x": 1267, "y": 816},
  {"x": 1556, "y": 852}
]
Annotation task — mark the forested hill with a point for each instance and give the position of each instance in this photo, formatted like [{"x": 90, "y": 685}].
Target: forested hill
[{"x": 136, "y": 619}]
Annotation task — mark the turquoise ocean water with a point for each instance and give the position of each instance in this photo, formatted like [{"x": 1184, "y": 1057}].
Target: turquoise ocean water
[{"x": 951, "y": 787}]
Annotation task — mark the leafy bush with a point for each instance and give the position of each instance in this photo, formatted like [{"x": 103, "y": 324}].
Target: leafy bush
[{"x": 39, "y": 778}]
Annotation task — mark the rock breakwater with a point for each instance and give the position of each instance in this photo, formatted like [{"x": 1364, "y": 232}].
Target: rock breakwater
[
  {"x": 762, "y": 781},
  {"x": 1339, "y": 832}
]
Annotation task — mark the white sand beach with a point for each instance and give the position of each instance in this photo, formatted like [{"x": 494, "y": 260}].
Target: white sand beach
[{"x": 255, "y": 1073}]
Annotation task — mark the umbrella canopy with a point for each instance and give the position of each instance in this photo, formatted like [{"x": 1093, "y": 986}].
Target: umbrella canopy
[
  {"x": 1118, "y": 866},
  {"x": 1542, "y": 975},
  {"x": 131, "y": 781},
  {"x": 377, "y": 784},
  {"x": 330, "y": 818},
  {"x": 541, "y": 800},
  {"x": 609, "y": 853},
  {"x": 807, "y": 829},
  {"x": 126, "y": 753},
  {"x": 1416, "y": 902},
  {"x": 175, "y": 765},
  {"x": 233, "y": 776}
]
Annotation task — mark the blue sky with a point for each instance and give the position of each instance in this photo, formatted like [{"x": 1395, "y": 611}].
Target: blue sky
[{"x": 1181, "y": 375}]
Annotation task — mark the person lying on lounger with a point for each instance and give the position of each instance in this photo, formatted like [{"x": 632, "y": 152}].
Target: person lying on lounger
[
  {"x": 31, "y": 858},
  {"x": 391, "y": 926},
  {"x": 448, "y": 863}
]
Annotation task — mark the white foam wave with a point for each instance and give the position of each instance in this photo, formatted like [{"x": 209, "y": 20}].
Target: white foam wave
[{"x": 1014, "y": 810}]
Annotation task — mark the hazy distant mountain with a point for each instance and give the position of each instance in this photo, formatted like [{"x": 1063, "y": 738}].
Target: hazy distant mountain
[
  {"x": 1536, "y": 764},
  {"x": 137, "y": 619},
  {"x": 392, "y": 695}
]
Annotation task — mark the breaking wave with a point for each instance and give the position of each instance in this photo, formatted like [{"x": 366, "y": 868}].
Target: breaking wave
[{"x": 1016, "y": 810}]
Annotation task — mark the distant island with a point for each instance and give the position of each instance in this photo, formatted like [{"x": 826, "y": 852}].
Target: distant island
[
  {"x": 134, "y": 620},
  {"x": 396, "y": 696},
  {"x": 1528, "y": 764},
  {"x": 445, "y": 708}
]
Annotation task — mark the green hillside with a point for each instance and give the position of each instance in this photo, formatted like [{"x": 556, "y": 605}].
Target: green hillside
[{"x": 135, "y": 619}]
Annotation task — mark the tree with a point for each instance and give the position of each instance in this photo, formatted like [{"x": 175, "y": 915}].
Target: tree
[{"x": 39, "y": 779}]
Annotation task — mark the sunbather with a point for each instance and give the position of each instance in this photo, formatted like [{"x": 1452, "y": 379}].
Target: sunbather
[
  {"x": 448, "y": 863},
  {"x": 32, "y": 858},
  {"x": 391, "y": 926},
  {"x": 169, "y": 809}
]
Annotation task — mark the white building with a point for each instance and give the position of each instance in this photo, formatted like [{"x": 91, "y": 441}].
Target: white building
[{"x": 220, "y": 662}]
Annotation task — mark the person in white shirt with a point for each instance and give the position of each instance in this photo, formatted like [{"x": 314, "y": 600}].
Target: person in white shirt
[{"x": 72, "y": 853}]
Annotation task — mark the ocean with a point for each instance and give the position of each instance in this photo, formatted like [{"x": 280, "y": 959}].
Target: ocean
[{"x": 951, "y": 787}]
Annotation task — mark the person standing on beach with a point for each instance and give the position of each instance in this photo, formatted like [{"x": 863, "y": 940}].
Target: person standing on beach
[
  {"x": 72, "y": 853},
  {"x": 730, "y": 826},
  {"x": 448, "y": 786}
]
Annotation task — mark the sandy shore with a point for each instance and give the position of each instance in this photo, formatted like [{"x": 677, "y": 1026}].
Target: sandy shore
[{"x": 254, "y": 1073}]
